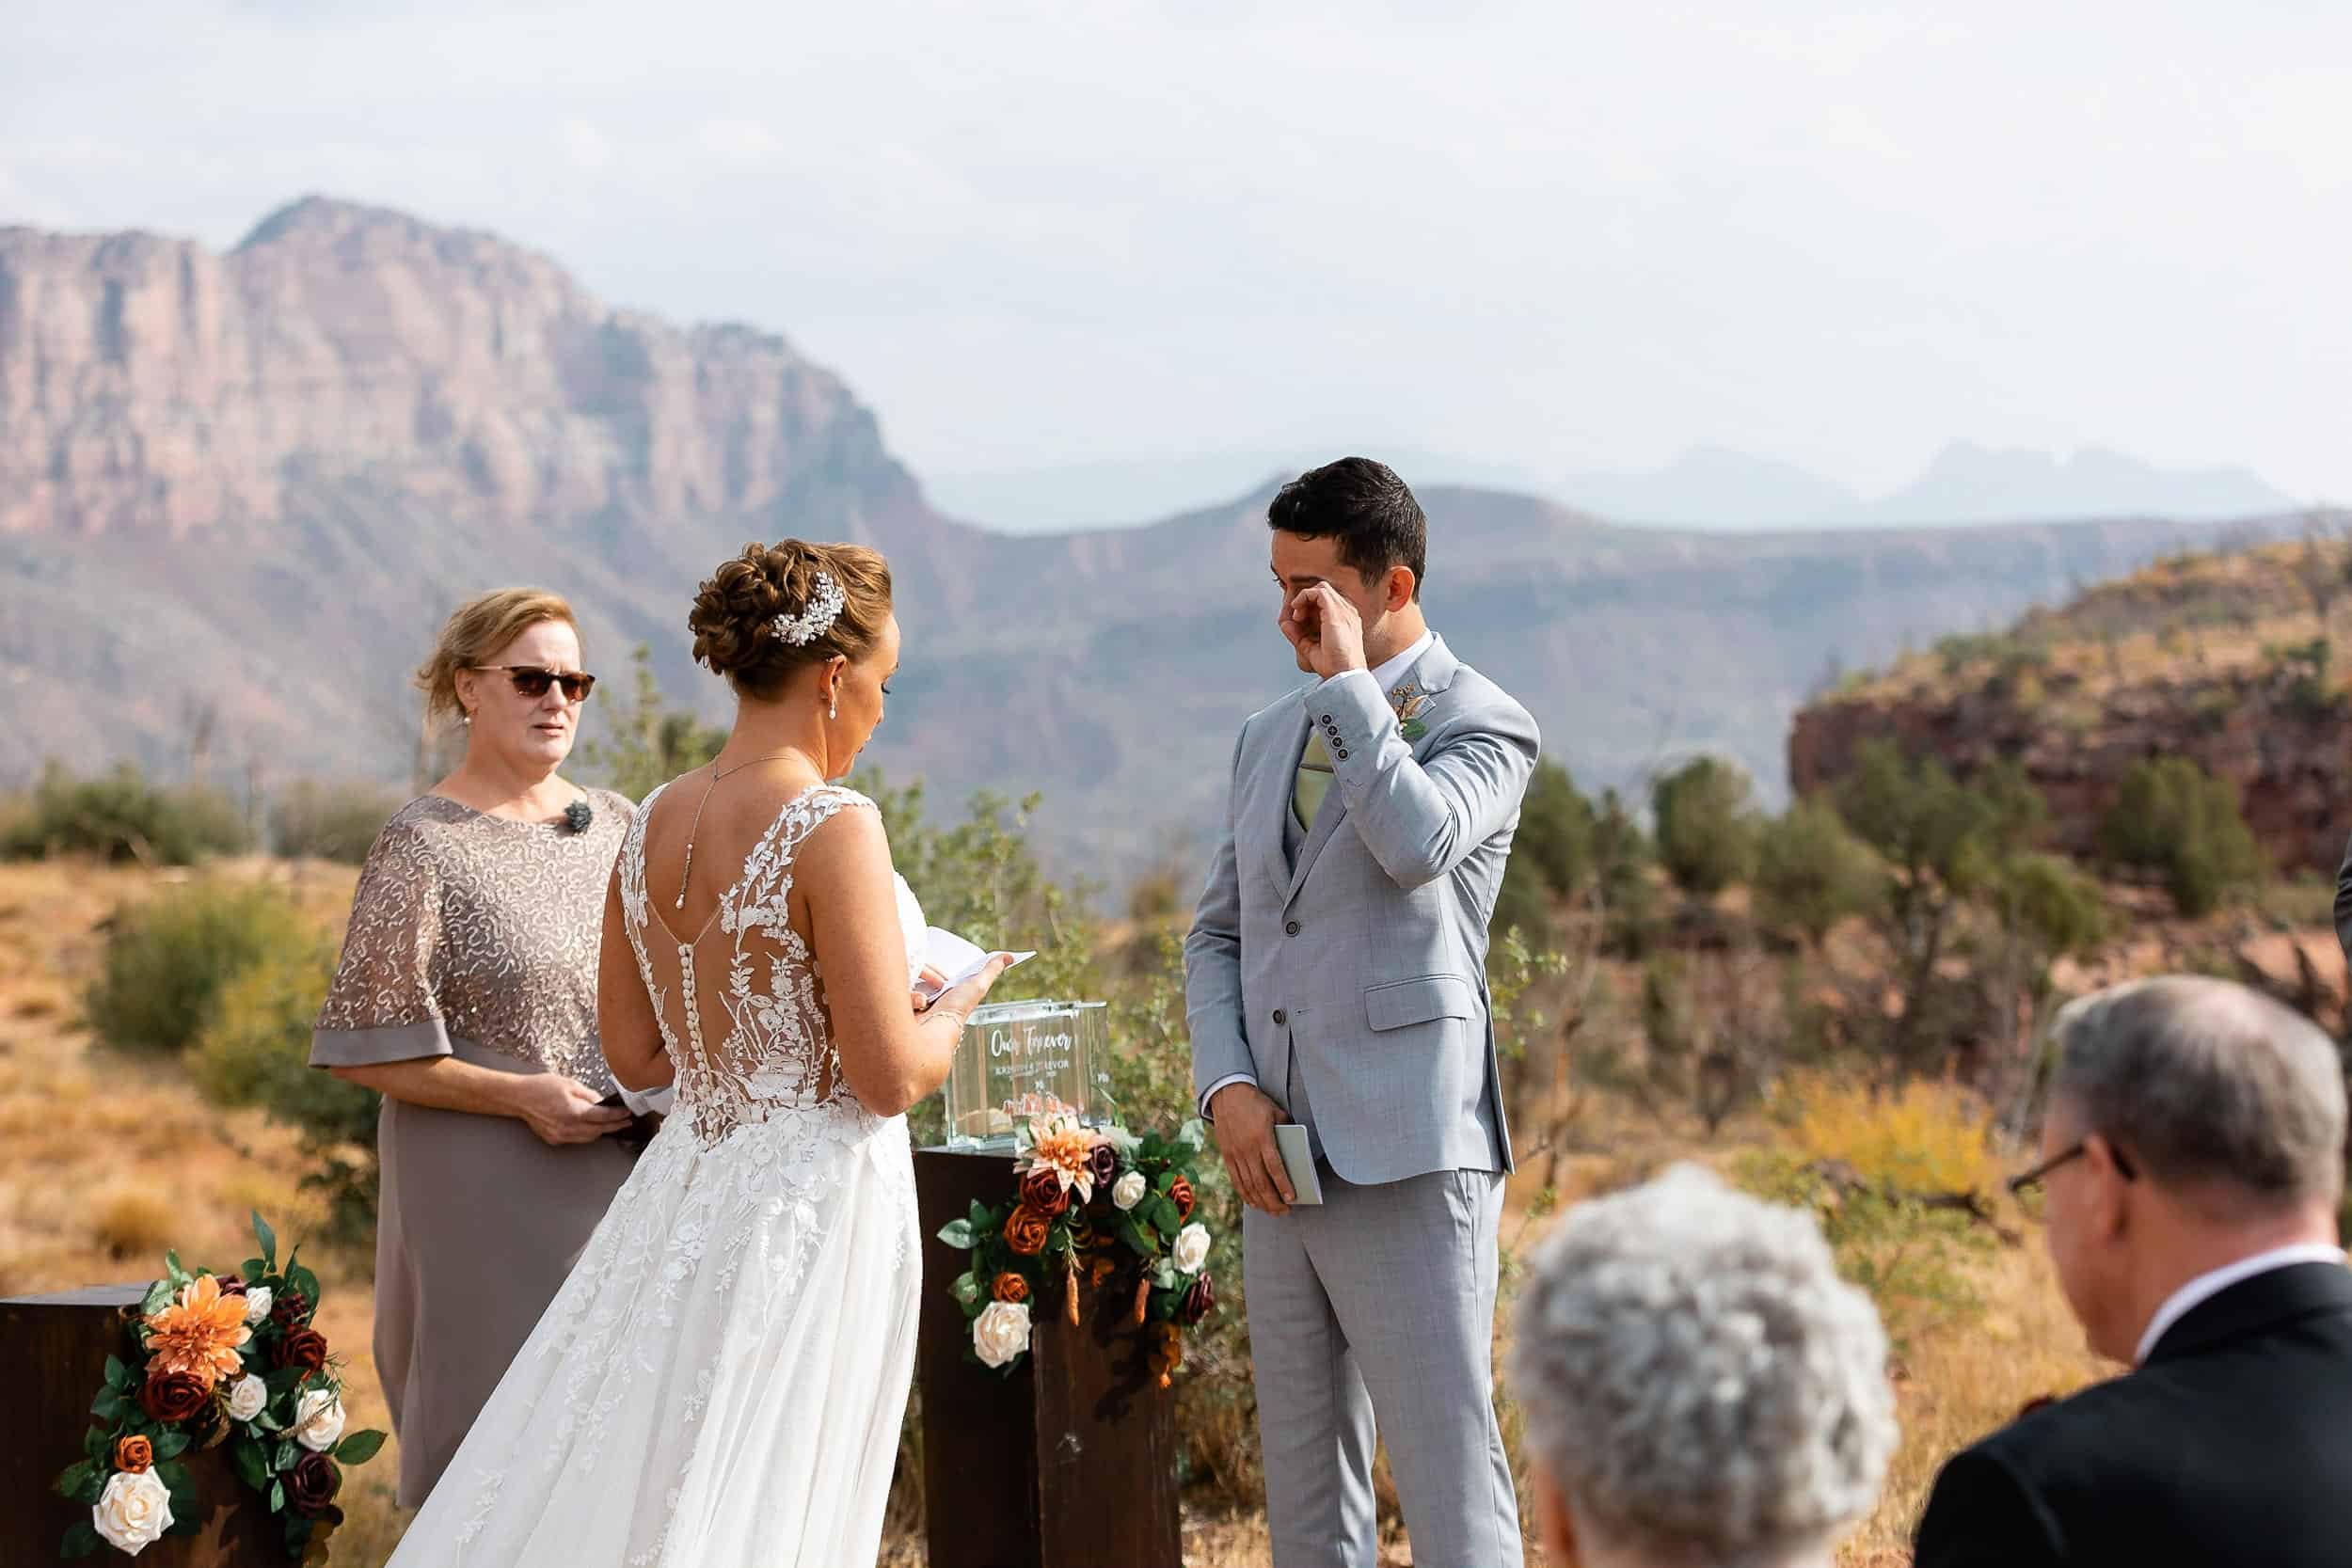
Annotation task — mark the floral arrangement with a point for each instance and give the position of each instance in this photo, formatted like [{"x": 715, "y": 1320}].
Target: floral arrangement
[
  {"x": 216, "y": 1359},
  {"x": 1094, "y": 1209}
]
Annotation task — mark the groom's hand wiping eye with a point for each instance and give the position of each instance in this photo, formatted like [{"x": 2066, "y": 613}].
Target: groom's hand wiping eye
[{"x": 1325, "y": 630}]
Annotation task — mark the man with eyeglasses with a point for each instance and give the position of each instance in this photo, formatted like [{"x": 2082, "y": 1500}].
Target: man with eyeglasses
[{"x": 2192, "y": 1159}]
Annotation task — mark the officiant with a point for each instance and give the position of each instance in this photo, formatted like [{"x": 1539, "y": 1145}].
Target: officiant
[{"x": 466, "y": 995}]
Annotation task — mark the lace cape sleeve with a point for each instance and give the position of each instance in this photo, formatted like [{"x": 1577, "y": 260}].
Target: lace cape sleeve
[{"x": 381, "y": 1007}]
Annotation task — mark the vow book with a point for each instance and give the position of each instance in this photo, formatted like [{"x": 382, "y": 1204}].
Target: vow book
[{"x": 957, "y": 960}]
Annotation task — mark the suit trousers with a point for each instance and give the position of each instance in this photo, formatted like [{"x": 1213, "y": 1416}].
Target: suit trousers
[{"x": 1379, "y": 1303}]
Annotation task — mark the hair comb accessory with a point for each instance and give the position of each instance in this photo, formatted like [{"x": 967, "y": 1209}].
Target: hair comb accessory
[{"x": 825, "y": 604}]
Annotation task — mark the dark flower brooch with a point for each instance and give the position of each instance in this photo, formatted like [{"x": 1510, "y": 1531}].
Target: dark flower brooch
[{"x": 579, "y": 815}]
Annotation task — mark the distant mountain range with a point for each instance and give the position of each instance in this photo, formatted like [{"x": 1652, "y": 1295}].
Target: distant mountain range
[
  {"x": 1706, "y": 487},
  {"x": 238, "y": 492}
]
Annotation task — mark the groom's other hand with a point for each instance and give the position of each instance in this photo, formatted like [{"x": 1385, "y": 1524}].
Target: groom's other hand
[
  {"x": 1244, "y": 1119},
  {"x": 1325, "y": 630}
]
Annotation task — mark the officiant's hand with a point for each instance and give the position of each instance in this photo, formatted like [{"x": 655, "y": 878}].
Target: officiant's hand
[
  {"x": 563, "y": 1110},
  {"x": 1244, "y": 1119},
  {"x": 1325, "y": 630}
]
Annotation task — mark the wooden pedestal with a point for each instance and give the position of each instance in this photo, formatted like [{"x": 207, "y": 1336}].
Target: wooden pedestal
[
  {"x": 52, "y": 1359},
  {"x": 1069, "y": 1462}
]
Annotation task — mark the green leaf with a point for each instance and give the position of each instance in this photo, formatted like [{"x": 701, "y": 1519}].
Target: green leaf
[
  {"x": 158, "y": 1297},
  {"x": 1166, "y": 1180},
  {"x": 171, "y": 1445},
  {"x": 70, "y": 1482},
  {"x": 266, "y": 1237},
  {"x": 255, "y": 1271},
  {"x": 966, "y": 1288},
  {"x": 107, "y": 1405},
  {"x": 284, "y": 1458},
  {"x": 81, "y": 1540},
  {"x": 1133, "y": 1234},
  {"x": 303, "y": 1281},
  {"x": 99, "y": 1443},
  {"x": 297, "y": 1535},
  {"x": 172, "y": 1475},
  {"x": 118, "y": 1375},
  {"x": 982, "y": 1220},
  {"x": 177, "y": 1274},
  {"x": 1165, "y": 1219},
  {"x": 252, "y": 1468},
  {"x": 956, "y": 1234},
  {"x": 1192, "y": 1135},
  {"x": 359, "y": 1447},
  {"x": 277, "y": 1496}
]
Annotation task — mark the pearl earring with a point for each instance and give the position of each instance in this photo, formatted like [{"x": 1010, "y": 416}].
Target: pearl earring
[
  {"x": 835, "y": 712},
  {"x": 466, "y": 719}
]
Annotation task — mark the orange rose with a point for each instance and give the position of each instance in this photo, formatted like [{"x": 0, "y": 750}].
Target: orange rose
[
  {"x": 1041, "y": 1189},
  {"x": 1010, "y": 1287},
  {"x": 1179, "y": 1193},
  {"x": 135, "y": 1454},
  {"x": 1026, "y": 1229}
]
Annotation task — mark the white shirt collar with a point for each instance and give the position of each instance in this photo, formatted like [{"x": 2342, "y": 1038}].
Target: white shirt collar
[
  {"x": 1402, "y": 665},
  {"x": 2206, "y": 1286}
]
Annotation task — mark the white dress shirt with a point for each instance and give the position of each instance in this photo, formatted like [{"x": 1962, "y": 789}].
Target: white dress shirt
[
  {"x": 2206, "y": 1286},
  {"x": 1386, "y": 678}
]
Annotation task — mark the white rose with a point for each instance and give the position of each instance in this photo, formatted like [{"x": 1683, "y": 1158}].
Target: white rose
[
  {"x": 1001, "y": 1332},
  {"x": 247, "y": 1398},
  {"x": 1128, "y": 1190},
  {"x": 1192, "y": 1248},
  {"x": 134, "y": 1513},
  {"x": 318, "y": 1421},
  {"x": 257, "y": 1302}
]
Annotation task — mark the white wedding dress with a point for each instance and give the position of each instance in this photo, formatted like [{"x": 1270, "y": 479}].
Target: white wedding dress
[{"x": 720, "y": 1380}]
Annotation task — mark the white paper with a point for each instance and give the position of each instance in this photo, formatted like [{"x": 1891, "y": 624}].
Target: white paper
[
  {"x": 957, "y": 960},
  {"x": 649, "y": 1103}
]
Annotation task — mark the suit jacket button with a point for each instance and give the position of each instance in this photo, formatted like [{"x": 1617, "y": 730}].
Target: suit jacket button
[
  {"x": 1280, "y": 1017},
  {"x": 1342, "y": 753},
  {"x": 1326, "y": 718},
  {"x": 1291, "y": 929}
]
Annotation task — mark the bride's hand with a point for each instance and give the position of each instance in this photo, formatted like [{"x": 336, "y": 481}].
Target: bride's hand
[
  {"x": 961, "y": 999},
  {"x": 932, "y": 977}
]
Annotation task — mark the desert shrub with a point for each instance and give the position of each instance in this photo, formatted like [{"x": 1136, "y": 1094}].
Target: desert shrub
[
  {"x": 1556, "y": 826},
  {"x": 256, "y": 1052},
  {"x": 121, "y": 815},
  {"x": 167, "y": 961},
  {"x": 1622, "y": 858},
  {"x": 134, "y": 1220},
  {"x": 1811, "y": 872},
  {"x": 639, "y": 742},
  {"x": 2177, "y": 821},
  {"x": 330, "y": 821},
  {"x": 1882, "y": 1172},
  {"x": 1705, "y": 825}
]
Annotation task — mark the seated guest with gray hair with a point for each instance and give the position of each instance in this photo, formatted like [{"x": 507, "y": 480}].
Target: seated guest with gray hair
[
  {"x": 2193, "y": 1156},
  {"x": 1701, "y": 1389}
]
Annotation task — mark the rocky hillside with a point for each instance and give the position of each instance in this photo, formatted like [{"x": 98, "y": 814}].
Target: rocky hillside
[
  {"x": 2226, "y": 658},
  {"x": 238, "y": 491}
]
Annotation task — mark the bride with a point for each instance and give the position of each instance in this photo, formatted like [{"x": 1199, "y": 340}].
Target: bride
[{"x": 721, "y": 1380}]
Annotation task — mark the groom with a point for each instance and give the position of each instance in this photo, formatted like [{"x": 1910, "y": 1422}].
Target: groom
[{"x": 1336, "y": 977}]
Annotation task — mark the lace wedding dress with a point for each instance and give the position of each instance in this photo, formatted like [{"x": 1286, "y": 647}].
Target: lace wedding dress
[{"x": 720, "y": 1382}]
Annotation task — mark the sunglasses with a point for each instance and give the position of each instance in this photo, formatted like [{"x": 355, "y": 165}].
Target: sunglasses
[{"x": 532, "y": 681}]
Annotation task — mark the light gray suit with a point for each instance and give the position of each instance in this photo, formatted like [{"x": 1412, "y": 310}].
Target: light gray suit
[{"x": 1343, "y": 968}]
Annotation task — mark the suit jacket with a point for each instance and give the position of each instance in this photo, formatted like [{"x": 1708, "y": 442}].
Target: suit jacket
[
  {"x": 1360, "y": 962},
  {"x": 2231, "y": 1445}
]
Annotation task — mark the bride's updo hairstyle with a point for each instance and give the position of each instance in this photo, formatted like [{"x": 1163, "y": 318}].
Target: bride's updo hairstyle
[{"x": 761, "y": 615}]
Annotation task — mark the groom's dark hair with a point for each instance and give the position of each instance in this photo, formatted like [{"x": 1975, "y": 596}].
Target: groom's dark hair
[{"x": 1364, "y": 506}]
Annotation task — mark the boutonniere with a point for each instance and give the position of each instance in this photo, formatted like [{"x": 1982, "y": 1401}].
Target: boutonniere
[
  {"x": 1410, "y": 702},
  {"x": 577, "y": 816}
]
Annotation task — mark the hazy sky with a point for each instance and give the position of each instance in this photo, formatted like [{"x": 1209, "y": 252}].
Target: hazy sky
[{"x": 1561, "y": 236}]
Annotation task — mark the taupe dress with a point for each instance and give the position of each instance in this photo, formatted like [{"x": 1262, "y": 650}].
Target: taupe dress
[{"x": 475, "y": 936}]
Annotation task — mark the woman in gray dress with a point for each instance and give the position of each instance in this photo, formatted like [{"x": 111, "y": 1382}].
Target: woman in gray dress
[{"x": 466, "y": 996}]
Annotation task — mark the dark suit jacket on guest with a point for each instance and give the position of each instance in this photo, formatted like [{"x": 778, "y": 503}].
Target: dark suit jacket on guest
[
  {"x": 2232, "y": 1444},
  {"x": 2344, "y": 904}
]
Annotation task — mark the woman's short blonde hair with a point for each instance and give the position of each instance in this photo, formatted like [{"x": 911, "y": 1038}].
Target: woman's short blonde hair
[{"x": 475, "y": 631}]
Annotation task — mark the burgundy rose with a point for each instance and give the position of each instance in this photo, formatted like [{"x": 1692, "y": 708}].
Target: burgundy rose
[
  {"x": 311, "y": 1484},
  {"x": 1102, "y": 1164},
  {"x": 290, "y": 1311},
  {"x": 1179, "y": 1193},
  {"x": 1198, "y": 1302},
  {"x": 305, "y": 1347},
  {"x": 174, "y": 1396},
  {"x": 229, "y": 1285},
  {"x": 1041, "y": 1190}
]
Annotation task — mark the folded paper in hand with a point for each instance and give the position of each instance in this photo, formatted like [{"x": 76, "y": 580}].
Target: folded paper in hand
[{"x": 956, "y": 959}]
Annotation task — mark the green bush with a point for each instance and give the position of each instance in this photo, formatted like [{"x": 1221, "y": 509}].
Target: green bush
[
  {"x": 2174, "y": 819},
  {"x": 1705, "y": 825},
  {"x": 329, "y": 821},
  {"x": 256, "y": 1052},
  {"x": 1811, "y": 872},
  {"x": 167, "y": 961},
  {"x": 1555, "y": 837},
  {"x": 121, "y": 815}
]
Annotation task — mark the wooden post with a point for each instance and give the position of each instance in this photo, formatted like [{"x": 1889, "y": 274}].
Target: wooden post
[
  {"x": 1069, "y": 1462},
  {"x": 53, "y": 1358}
]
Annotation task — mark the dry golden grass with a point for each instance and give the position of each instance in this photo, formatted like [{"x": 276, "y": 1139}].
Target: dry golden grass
[{"x": 103, "y": 1159}]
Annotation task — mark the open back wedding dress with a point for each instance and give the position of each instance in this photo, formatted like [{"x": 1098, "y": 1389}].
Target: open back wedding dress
[{"x": 720, "y": 1380}]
